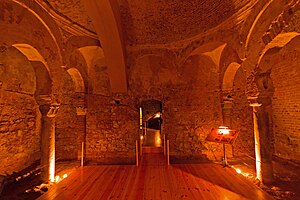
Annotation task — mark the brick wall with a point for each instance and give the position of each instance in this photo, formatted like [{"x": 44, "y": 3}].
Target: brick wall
[
  {"x": 111, "y": 130},
  {"x": 67, "y": 130},
  {"x": 19, "y": 132},
  {"x": 286, "y": 103},
  {"x": 19, "y": 113},
  {"x": 190, "y": 99},
  {"x": 242, "y": 118}
]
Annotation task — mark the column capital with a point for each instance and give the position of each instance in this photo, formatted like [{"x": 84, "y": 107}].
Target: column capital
[
  {"x": 49, "y": 110},
  {"x": 260, "y": 88},
  {"x": 47, "y": 105},
  {"x": 43, "y": 100},
  {"x": 259, "y": 101},
  {"x": 81, "y": 111},
  {"x": 227, "y": 104}
]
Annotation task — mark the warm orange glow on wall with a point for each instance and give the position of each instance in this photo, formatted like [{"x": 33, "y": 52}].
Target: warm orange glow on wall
[
  {"x": 52, "y": 165},
  {"x": 141, "y": 118},
  {"x": 157, "y": 139},
  {"x": 157, "y": 115},
  {"x": 257, "y": 146}
]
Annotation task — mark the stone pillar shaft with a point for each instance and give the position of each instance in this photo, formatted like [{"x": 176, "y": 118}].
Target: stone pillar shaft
[
  {"x": 227, "y": 113},
  {"x": 263, "y": 142},
  {"x": 260, "y": 90},
  {"x": 48, "y": 142},
  {"x": 48, "y": 148},
  {"x": 257, "y": 145},
  {"x": 81, "y": 137},
  {"x": 227, "y": 121}
]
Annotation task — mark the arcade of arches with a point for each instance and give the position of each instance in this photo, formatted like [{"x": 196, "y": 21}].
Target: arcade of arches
[{"x": 77, "y": 72}]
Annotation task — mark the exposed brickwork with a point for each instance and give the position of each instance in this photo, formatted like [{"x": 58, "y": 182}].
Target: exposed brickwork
[
  {"x": 189, "y": 88},
  {"x": 19, "y": 132},
  {"x": 70, "y": 127},
  {"x": 191, "y": 103},
  {"x": 111, "y": 130},
  {"x": 286, "y": 101},
  {"x": 19, "y": 124},
  {"x": 162, "y": 21},
  {"x": 67, "y": 131},
  {"x": 74, "y": 10},
  {"x": 242, "y": 117}
]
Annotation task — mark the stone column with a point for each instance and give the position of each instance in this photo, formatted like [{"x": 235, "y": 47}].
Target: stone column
[
  {"x": 227, "y": 112},
  {"x": 260, "y": 91},
  {"x": 48, "y": 112},
  {"x": 81, "y": 137},
  {"x": 227, "y": 121},
  {"x": 263, "y": 138}
]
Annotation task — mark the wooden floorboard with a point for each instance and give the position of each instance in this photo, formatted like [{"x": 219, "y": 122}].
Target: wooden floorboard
[{"x": 153, "y": 179}]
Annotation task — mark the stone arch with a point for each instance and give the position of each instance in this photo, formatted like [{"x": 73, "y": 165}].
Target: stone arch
[
  {"x": 43, "y": 76},
  {"x": 76, "y": 42},
  {"x": 262, "y": 16},
  {"x": 275, "y": 46},
  {"x": 265, "y": 22},
  {"x": 97, "y": 70},
  {"x": 111, "y": 39},
  {"x": 227, "y": 83},
  {"x": 230, "y": 37},
  {"x": 48, "y": 108},
  {"x": 280, "y": 60},
  {"x": 27, "y": 96},
  {"x": 77, "y": 80},
  {"x": 24, "y": 24},
  {"x": 13, "y": 77},
  {"x": 72, "y": 115},
  {"x": 228, "y": 57},
  {"x": 236, "y": 112},
  {"x": 211, "y": 49}
]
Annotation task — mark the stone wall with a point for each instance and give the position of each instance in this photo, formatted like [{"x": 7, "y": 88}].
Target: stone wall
[
  {"x": 112, "y": 129},
  {"x": 70, "y": 127},
  {"x": 19, "y": 113},
  {"x": 242, "y": 118},
  {"x": 19, "y": 132},
  {"x": 286, "y": 101},
  {"x": 73, "y": 10},
  {"x": 67, "y": 132},
  {"x": 191, "y": 102},
  {"x": 189, "y": 116}
]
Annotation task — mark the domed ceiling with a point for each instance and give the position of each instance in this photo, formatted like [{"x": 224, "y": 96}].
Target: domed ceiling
[
  {"x": 73, "y": 10},
  {"x": 158, "y": 21},
  {"x": 164, "y": 21}
]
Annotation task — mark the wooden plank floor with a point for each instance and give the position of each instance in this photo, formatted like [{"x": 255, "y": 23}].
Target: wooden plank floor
[{"x": 154, "y": 180}]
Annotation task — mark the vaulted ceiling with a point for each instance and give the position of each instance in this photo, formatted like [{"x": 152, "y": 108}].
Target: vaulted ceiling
[
  {"x": 155, "y": 21},
  {"x": 123, "y": 23}
]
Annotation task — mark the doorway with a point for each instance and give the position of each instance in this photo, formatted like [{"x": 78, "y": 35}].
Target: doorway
[{"x": 150, "y": 123}]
